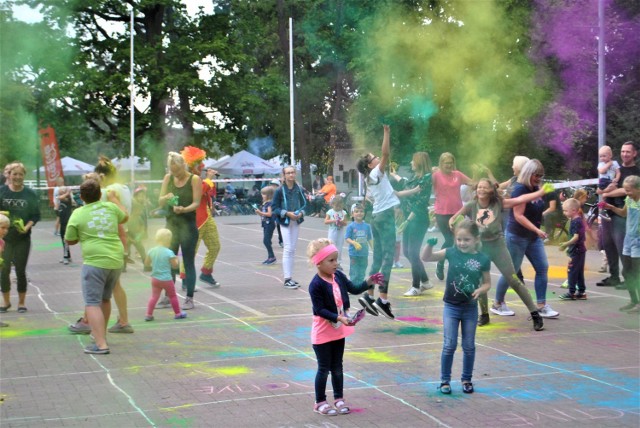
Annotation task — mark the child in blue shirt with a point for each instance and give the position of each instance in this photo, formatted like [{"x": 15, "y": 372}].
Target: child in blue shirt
[
  {"x": 161, "y": 260},
  {"x": 358, "y": 235}
]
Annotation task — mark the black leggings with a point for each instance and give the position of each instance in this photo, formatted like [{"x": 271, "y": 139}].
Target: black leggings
[
  {"x": 16, "y": 253},
  {"x": 329, "y": 356},
  {"x": 443, "y": 224}
]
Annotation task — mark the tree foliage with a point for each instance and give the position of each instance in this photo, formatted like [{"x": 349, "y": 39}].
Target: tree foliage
[{"x": 447, "y": 75}]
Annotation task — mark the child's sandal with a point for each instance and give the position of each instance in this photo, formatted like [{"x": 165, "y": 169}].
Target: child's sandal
[
  {"x": 342, "y": 407},
  {"x": 445, "y": 388},
  {"x": 325, "y": 409}
]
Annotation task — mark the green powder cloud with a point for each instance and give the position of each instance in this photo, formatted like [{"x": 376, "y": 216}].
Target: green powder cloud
[{"x": 459, "y": 80}]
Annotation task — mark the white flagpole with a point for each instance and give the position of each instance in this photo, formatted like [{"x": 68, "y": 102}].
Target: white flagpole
[
  {"x": 291, "y": 109},
  {"x": 133, "y": 96},
  {"x": 602, "y": 106}
]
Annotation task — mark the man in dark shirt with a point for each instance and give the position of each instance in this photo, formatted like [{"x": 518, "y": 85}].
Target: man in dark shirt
[{"x": 613, "y": 231}]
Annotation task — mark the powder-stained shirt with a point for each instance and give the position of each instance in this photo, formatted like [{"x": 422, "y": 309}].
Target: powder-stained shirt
[
  {"x": 464, "y": 275},
  {"x": 95, "y": 225},
  {"x": 379, "y": 188},
  {"x": 361, "y": 233}
]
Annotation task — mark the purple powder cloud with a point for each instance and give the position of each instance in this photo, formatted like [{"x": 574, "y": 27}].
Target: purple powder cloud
[{"x": 565, "y": 33}]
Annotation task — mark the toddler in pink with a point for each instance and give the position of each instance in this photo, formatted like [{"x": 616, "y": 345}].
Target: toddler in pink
[{"x": 161, "y": 260}]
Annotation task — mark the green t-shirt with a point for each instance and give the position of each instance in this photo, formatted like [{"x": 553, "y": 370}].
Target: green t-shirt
[
  {"x": 96, "y": 227},
  {"x": 489, "y": 220}
]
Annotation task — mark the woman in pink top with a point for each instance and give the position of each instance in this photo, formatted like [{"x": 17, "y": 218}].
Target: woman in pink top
[{"x": 447, "y": 181}]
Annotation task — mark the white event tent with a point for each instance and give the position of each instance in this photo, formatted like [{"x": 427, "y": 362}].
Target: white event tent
[
  {"x": 124, "y": 164},
  {"x": 245, "y": 163},
  {"x": 72, "y": 167}
]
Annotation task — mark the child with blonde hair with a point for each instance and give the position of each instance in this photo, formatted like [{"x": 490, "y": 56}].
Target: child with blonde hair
[
  {"x": 329, "y": 290},
  {"x": 608, "y": 173},
  {"x": 576, "y": 250},
  {"x": 336, "y": 218},
  {"x": 161, "y": 260}
]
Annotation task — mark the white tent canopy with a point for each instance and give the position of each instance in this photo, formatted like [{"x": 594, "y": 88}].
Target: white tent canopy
[
  {"x": 245, "y": 163},
  {"x": 208, "y": 162},
  {"x": 124, "y": 164},
  {"x": 72, "y": 167}
]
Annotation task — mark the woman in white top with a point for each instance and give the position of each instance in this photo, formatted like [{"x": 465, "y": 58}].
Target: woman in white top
[{"x": 383, "y": 223}]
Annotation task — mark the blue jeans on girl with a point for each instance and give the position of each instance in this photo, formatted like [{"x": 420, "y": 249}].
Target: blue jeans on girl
[{"x": 465, "y": 316}]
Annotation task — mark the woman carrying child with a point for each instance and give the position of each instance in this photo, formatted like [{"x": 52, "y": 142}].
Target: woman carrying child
[
  {"x": 329, "y": 291},
  {"x": 486, "y": 211},
  {"x": 467, "y": 279}
]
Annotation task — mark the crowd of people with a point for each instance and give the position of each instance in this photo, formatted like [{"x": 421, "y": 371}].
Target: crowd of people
[{"x": 500, "y": 223}]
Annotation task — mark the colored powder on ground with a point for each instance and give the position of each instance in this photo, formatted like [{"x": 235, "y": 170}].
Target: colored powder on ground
[
  {"x": 376, "y": 356},
  {"x": 10, "y": 333},
  {"x": 411, "y": 319}
]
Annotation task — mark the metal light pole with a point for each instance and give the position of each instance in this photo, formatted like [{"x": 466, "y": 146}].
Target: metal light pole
[
  {"x": 291, "y": 109},
  {"x": 132, "y": 136},
  {"x": 602, "y": 125}
]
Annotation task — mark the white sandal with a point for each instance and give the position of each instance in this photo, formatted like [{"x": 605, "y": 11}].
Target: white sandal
[
  {"x": 325, "y": 409},
  {"x": 342, "y": 407}
]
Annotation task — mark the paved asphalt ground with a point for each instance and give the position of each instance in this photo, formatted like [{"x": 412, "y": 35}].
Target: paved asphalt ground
[{"x": 243, "y": 357}]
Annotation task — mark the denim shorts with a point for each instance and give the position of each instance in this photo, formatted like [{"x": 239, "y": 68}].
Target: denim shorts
[
  {"x": 631, "y": 246},
  {"x": 98, "y": 284}
]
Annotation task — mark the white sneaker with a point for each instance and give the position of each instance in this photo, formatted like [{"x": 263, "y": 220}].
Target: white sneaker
[
  {"x": 188, "y": 304},
  {"x": 398, "y": 265},
  {"x": 426, "y": 285},
  {"x": 413, "y": 292},
  {"x": 502, "y": 310},
  {"x": 548, "y": 312}
]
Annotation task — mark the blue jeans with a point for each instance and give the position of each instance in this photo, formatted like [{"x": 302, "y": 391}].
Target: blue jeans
[
  {"x": 267, "y": 235},
  {"x": 533, "y": 248},
  {"x": 453, "y": 316},
  {"x": 613, "y": 240}
]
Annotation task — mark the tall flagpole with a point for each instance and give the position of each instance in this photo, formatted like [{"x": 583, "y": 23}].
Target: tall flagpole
[
  {"x": 602, "y": 124},
  {"x": 133, "y": 96},
  {"x": 291, "y": 109}
]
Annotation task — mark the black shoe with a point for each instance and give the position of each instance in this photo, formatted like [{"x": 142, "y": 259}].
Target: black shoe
[
  {"x": 290, "y": 284},
  {"x": 608, "y": 282},
  {"x": 445, "y": 388},
  {"x": 467, "y": 387},
  {"x": 483, "y": 319},
  {"x": 440, "y": 271},
  {"x": 209, "y": 279},
  {"x": 568, "y": 296},
  {"x": 385, "y": 308},
  {"x": 367, "y": 302},
  {"x": 538, "y": 324}
]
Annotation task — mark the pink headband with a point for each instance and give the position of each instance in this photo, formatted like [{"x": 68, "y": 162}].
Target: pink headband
[{"x": 323, "y": 254}]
